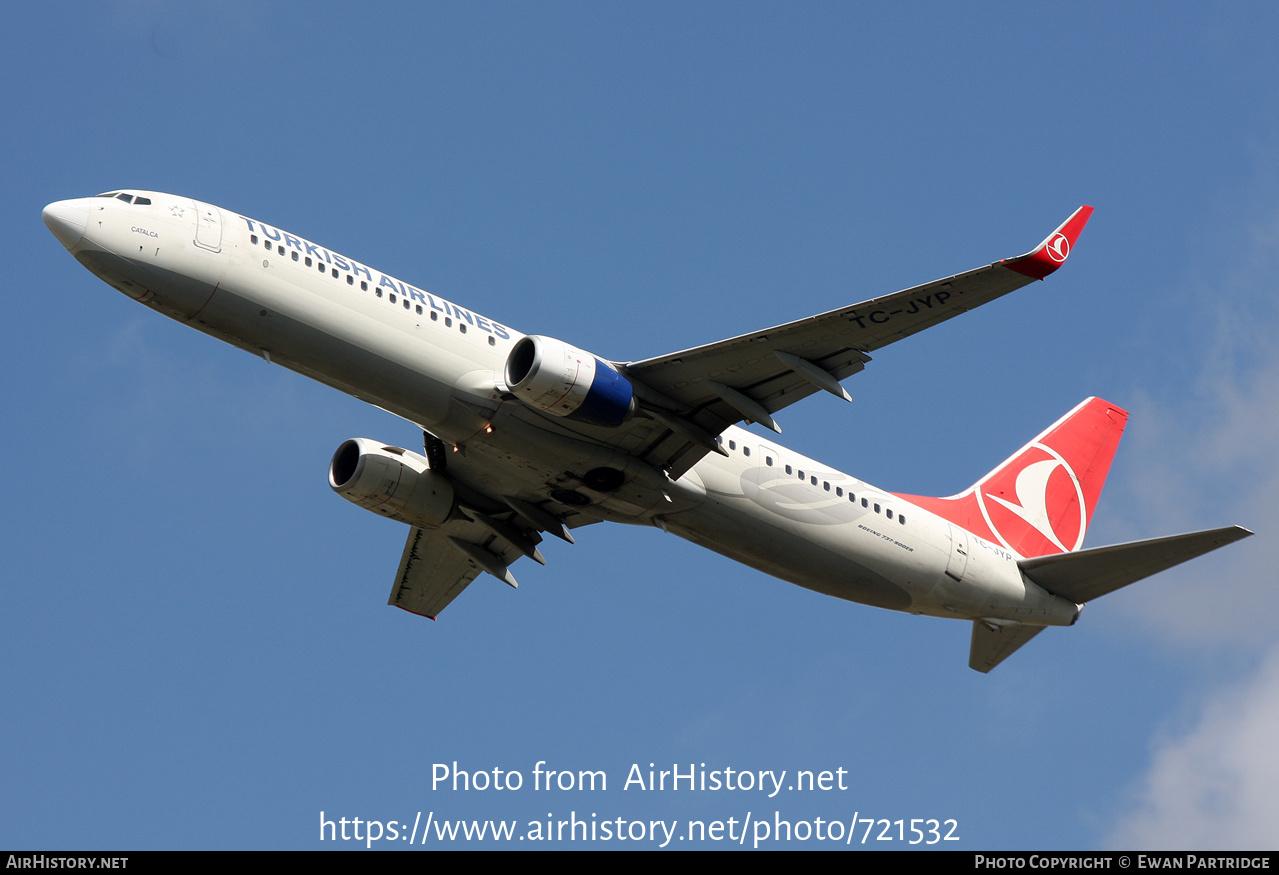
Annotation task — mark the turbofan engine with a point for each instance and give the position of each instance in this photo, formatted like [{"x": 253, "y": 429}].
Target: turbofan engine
[
  {"x": 562, "y": 380},
  {"x": 393, "y": 482}
]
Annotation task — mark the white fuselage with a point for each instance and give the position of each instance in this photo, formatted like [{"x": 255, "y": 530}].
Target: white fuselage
[{"x": 440, "y": 366}]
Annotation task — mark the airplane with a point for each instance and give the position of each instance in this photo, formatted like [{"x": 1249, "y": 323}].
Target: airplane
[{"x": 526, "y": 435}]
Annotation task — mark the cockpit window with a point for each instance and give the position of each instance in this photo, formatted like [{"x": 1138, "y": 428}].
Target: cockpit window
[{"x": 127, "y": 198}]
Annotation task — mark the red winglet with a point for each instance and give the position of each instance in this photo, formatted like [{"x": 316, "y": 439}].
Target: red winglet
[{"x": 1051, "y": 254}]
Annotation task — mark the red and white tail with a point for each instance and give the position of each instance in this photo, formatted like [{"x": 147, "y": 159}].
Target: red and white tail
[{"x": 1041, "y": 500}]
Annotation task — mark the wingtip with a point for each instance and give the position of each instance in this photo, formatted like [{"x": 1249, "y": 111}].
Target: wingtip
[
  {"x": 413, "y": 612},
  {"x": 1053, "y": 251}
]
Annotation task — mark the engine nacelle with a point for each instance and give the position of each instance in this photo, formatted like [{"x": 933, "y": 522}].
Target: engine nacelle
[
  {"x": 393, "y": 482},
  {"x": 562, "y": 380}
]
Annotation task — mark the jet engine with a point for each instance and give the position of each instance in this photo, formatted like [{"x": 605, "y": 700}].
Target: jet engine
[
  {"x": 551, "y": 376},
  {"x": 393, "y": 482}
]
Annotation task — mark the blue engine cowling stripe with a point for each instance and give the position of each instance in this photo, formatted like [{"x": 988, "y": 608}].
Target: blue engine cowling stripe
[{"x": 608, "y": 400}]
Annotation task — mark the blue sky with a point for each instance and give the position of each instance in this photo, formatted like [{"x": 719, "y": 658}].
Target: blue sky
[{"x": 196, "y": 644}]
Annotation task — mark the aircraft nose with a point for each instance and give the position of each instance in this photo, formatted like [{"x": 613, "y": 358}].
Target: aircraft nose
[{"x": 67, "y": 221}]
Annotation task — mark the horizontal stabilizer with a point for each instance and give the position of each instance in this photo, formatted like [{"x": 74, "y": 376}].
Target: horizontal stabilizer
[
  {"x": 1089, "y": 574},
  {"x": 993, "y": 644}
]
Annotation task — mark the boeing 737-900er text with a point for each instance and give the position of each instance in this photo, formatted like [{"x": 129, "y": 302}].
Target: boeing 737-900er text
[{"x": 526, "y": 434}]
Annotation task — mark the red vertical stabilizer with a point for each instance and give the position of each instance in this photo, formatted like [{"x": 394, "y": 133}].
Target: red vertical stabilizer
[{"x": 1041, "y": 500}]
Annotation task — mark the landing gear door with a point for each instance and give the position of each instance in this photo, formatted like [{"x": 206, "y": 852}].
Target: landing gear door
[{"x": 208, "y": 227}]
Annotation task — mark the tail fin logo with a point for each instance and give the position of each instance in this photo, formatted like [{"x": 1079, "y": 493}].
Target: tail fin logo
[
  {"x": 1058, "y": 247},
  {"x": 1039, "y": 502},
  {"x": 1039, "y": 490}
]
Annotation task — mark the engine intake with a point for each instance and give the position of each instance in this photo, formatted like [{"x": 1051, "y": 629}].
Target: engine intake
[
  {"x": 391, "y": 481},
  {"x": 551, "y": 376}
]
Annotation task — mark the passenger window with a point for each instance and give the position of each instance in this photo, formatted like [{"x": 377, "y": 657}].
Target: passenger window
[
  {"x": 865, "y": 503},
  {"x": 901, "y": 519},
  {"x": 746, "y": 451},
  {"x": 335, "y": 273},
  {"x": 839, "y": 490},
  {"x": 406, "y": 303},
  {"x": 768, "y": 460},
  {"x": 435, "y": 317},
  {"x": 788, "y": 469},
  {"x": 295, "y": 256},
  {"x": 492, "y": 341},
  {"x": 364, "y": 287},
  {"x": 392, "y": 297},
  {"x": 419, "y": 309},
  {"x": 281, "y": 250},
  {"x": 308, "y": 261},
  {"x": 461, "y": 326},
  {"x": 350, "y": 280},
  {"x": 253, "y": 238},
  {"x": 448, "y": 322},
  {"x": 732, "y": 445},
  {"x": 877, "y": 508},
  {"x": 267, "y": 244},
  {"x": 813, "y": 479},
  {"x": 825, "y": 486},
  {"x": 888, "y": 513}
]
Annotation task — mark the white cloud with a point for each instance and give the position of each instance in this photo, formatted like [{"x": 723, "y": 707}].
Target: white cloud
[
  {"x": 1208, "y": 455},
  {"x": 1216, "y": 787}
]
